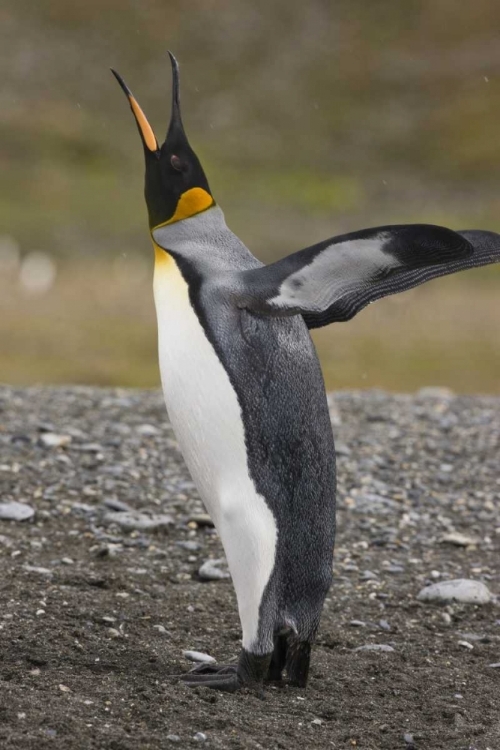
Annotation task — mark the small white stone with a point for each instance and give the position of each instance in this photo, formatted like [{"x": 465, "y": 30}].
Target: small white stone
[
  {"x": 466, "y": 644},
  {"x": 14, "y": 511},
  {"x": 53, "y": 440},
  {"x": 148, "y": 430},
  {"x": 210, "y": 571},
  {"x": 40, "y": 612},
  {"x": 198, "y": 656},
  {"x": 160, "y": 629},
  {"x": 199, "y": 737},
  {"x": 459, "y": 540}
]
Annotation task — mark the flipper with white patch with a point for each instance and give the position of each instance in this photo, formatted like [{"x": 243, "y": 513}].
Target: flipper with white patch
[{"x": 335, "y": 279}]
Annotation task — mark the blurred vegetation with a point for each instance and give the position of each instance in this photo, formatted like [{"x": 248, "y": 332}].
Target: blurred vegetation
[{"x": 311, "y": 119}]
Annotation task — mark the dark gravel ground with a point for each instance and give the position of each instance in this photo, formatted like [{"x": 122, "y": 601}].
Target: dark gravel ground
[{"x": 94, "y": 617}]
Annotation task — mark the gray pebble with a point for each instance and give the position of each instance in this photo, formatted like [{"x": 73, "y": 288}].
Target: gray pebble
[
  {"x": 173, "y": 738},
  {"x": 147, "y": 430},
  {"x": 37, "y": 569},
  {"x": 210, "y": 571},
  {"x": 368, "y": 575},
  {"x": 84, "y": 508},
  {"x": 114, "y": 504},
  {"x": 202, "y": 519},
  {"x": 88, "y": 448},
  {"x": 375, "y": 647},
  {"x": 14, "y": 511},
  {"x": 135, "y": 521},
  {"x": 199, "y": 737},
  {"x": 459, "y": 590},
  {"x": 357, "y": 624},
  {"x": 342, "y": 450},
  {"x": 384, "y": 625},
  {"x": 495, "y": 665},
  {"x": 191, "y": 546},
  {"x": 372, "y": 504}
]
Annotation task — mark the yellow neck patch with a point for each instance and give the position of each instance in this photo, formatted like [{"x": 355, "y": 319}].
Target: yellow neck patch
[
  {"x": 162, "y": 257},
  {"x": 192, "y": 202}
]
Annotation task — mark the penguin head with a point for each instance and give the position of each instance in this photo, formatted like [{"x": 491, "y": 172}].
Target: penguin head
[{"x": 176, "y": 187}]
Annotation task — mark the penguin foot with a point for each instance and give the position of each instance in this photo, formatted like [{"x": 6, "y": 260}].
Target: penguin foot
[{"x": 248, "y": 673}]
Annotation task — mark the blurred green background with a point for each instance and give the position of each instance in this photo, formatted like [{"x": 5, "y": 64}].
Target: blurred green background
[{"x": 311, "y": 119}]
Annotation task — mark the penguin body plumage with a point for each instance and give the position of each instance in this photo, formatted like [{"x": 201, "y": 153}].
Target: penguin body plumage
[
  {"x": 245, "y": 393},
  {"x": 225, "y": 369}
]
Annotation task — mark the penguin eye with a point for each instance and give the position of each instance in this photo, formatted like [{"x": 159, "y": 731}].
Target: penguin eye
[{"x": 176, "y": 163}]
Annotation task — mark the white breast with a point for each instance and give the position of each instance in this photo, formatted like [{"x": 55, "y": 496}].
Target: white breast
[{"x": 206, "y": 417}]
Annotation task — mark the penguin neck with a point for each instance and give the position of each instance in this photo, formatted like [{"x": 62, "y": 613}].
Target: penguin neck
[{"x": 205, "y": 242}]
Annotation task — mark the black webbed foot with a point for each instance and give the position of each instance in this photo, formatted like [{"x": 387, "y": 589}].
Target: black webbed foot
[
  {"x": 216, "y": 676},
  {"x": 249, "y": 673}
]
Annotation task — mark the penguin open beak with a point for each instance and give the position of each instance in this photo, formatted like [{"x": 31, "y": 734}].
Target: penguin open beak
[
  {"x": 145, "y": 130},
  {"x": 175, "y": 128},
  {"x": 176, "y": 187}
]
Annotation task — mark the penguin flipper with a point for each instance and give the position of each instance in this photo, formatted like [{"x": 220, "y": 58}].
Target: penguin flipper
[{"x": 335, "y": 279}]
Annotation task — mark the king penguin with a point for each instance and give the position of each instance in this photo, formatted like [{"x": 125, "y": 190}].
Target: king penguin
[{"x": 245, "y": 393}]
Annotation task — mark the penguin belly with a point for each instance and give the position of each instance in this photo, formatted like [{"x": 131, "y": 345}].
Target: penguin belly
[{"x": 206, "y": 416}]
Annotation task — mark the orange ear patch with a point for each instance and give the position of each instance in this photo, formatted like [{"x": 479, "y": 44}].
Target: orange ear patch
[{"x": 192, "y": 202}]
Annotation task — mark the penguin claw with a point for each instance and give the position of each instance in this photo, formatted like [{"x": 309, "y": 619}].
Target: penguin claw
[
  {"x": 225, "y": 681},
  {"x": 210, "y": 669}
]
